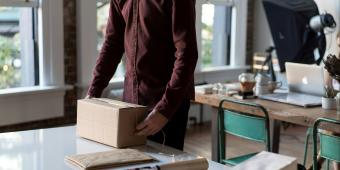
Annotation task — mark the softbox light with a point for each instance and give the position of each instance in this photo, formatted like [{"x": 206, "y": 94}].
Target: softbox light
[{"x": 293, "y": 39}]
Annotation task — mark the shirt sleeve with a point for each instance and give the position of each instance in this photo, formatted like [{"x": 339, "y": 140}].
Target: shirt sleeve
[
  {"x": 184, "y": 37},
  {"x": 111, "y": 52}
]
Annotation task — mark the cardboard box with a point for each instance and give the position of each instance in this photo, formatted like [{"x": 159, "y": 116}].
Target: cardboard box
[
  {"x": 110, "y": 122},
  {"x": 268, "y": 161}
]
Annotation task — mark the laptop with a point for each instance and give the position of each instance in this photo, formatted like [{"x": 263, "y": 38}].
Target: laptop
[{"x": 305, "y": 86}]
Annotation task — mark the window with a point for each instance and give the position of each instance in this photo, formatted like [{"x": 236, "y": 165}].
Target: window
[
  {"x": 18, "y": 56},
  {"x": 214, "y": 25},
  {"x": 33, "y": 31},
  {"x": 102, "y": 16}
]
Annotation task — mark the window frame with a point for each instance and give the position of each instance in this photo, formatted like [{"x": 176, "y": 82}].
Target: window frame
[
  {"x": 238, "y": 29},
  {"x": 51, "y": 43},
  {"x": 218, "y": 55}
]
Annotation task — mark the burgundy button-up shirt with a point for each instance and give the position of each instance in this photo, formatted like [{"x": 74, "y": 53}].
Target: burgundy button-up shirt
[{"x": 159, "y": 41}]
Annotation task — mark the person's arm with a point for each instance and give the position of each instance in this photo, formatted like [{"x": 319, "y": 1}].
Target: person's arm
[
  {"x": 111, "y": 52},
  {"x": 184, "y": 37}
]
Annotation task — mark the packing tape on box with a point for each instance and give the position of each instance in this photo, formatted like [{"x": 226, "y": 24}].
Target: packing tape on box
[{"x": 115, "y": 103}]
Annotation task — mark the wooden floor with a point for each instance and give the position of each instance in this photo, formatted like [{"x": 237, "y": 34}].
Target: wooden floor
[{"x": 292, "y": 142}]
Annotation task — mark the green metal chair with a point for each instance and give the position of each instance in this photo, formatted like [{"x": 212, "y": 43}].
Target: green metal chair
[
  {"x": 308, "y": 136},
  {"x": 243, "y": 125},
  {"x": 329, "y": 145}
]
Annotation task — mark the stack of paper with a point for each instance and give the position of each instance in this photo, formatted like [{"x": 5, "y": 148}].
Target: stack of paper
[
  {"x": 268, "y": 161},
  {"x": 195, "y": 164}
]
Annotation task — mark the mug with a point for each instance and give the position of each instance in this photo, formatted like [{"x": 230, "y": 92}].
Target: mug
[
  {"x": 261, "y": 90},
  {"x": 272, "y": 85},
  {"x": 267, "y": 88},
  {"x": 262, "y": 79}
]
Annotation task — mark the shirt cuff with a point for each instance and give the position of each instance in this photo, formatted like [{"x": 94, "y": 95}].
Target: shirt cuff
[
  {"x": 94, "y": 92},
  {"x": 165, "y": 109}
]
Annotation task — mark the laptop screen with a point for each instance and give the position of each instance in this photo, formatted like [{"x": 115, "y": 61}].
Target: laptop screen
[{"x": 303, "y": 78}]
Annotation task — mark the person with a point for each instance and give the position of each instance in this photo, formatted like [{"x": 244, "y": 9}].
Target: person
[{"x": 159, "y": 41}]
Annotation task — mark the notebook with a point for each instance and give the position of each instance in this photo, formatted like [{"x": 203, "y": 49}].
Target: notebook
[
  {"x": 305, "y": 86},
  {"x": 268, "y": 161},
  {"x": 109, "y": 159}
]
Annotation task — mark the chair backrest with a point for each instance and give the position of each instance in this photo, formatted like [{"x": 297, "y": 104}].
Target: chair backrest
[
  {"x": 245, "y": 126},
  {"x": 242, "y": 124},
  {"x": 329, "y": 144}
]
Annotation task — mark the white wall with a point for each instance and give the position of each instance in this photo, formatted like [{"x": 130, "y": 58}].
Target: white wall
[
  {"x": 332, "y": 7},
  {"x": 262, "y": 36},
  {"x": 32, "y": 104}
]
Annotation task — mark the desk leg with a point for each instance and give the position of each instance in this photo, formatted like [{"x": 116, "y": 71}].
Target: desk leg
[
  {"x": 201, "y": 114},
  {"x": 275, "y": 135},
  {"x": 214, "y": 135}
]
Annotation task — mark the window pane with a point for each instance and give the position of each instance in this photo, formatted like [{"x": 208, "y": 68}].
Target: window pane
[
  {"x": 17, "y": 47},
  {"x": 216, "y": 28},
  {"x": 102, "y": 16},
  {"x": 207, "y": 34}
]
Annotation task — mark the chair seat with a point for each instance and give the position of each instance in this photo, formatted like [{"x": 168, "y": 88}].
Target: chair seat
[{"x": 239, "y": 159}]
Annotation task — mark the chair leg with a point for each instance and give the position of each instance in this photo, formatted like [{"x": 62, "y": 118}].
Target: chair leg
[
  {"x": 275, "y": 136},
  {"x": 327, "y": 164},
  {"x": 306, "y": 146}
]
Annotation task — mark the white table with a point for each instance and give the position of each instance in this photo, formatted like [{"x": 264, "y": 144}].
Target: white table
[{"x": 44, "y": 149}]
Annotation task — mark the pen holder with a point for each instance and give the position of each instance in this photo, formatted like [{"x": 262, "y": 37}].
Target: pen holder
[{"x": 329, "y": 103}]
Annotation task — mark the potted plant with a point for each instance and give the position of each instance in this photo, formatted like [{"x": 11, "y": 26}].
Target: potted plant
[
  {"x": 328, "y": 100},
  {"x": 332, "y": 65}
]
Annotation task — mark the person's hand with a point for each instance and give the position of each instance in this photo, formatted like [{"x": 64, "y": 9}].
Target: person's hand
[
  {"x": 152, "y": 124},
  {"x": 88, "y": 97}
]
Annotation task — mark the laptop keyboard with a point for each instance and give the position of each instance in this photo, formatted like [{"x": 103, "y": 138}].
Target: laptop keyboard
[{"x": 294, "y": 98}]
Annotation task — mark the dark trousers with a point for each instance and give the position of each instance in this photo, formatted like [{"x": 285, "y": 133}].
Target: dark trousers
[{"x": 175, "y": 129}]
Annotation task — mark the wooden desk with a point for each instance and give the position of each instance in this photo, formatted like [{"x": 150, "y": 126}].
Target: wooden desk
[
  {"x": 46, "y": 149},
  {"x": 277, "y": 112}
]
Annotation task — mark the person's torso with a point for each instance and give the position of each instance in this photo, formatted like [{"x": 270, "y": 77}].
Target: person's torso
[{"x": 149, "y": 49}]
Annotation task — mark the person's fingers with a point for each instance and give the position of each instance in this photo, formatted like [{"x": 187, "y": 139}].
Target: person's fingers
[
  {"x": 142, "y": 125},
  {"x": 143, "y": 132},
  {"x": 88, "y": 97},
  {"x": 146, "y": 131}
]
